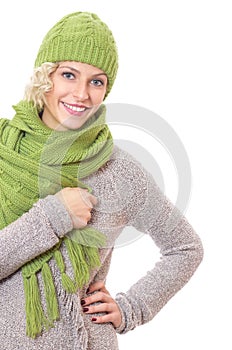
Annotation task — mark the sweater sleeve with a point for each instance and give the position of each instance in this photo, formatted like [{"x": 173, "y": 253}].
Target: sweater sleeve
[
  {"x": 181, "y": 253},
  {"x": 32, "y": 234}
]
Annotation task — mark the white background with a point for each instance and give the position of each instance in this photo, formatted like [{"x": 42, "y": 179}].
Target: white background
[{"x": 176, "y": 60}]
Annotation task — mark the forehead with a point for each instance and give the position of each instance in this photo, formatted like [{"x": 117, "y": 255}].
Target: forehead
[{"x": 81, "y": 67}]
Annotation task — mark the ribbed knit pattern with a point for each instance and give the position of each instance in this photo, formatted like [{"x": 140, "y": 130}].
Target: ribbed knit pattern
[
  {"x": 36, "y": 161},
  {"x": 81, "y": 37}
]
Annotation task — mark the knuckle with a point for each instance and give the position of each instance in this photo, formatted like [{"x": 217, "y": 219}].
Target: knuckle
[
  {"x": 100, "y": 319},
  {"x": 82, "y": 220},
  {"x": 88, "y": 216},
  {"x": 93, "y": 199},
  {"x": 66, "y": 189},
  {"x": 99, "y": 285},
  {"x": 89, "y": 300},
  {"x": 92, "y": 309},
  {"x": 108, "y": 308},
  {"x": 81, "y": 223}
]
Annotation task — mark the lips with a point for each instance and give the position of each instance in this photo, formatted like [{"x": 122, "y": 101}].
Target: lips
[{"x": 75, "y": 108}]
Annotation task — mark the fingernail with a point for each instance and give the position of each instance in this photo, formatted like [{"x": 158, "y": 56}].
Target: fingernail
[
  {"x": 94, "y": 319},
  {"x": 82, "y": 302},
  {"x": 85, "y": 309},
  {"x": 87, "y": 290}
]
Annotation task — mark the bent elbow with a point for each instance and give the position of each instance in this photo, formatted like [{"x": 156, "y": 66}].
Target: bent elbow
[{"x": 199, "y": 252}]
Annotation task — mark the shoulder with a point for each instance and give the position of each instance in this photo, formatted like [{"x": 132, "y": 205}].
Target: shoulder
[
  {"x": 120, "y": 185},
  {"x": 122, "y": 168}
]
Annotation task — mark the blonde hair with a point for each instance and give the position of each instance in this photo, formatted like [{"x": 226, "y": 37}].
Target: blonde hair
[{"x": 39, "y": 84}]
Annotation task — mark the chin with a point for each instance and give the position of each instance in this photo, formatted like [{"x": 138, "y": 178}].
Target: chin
[{"x": 72, "y": 125}]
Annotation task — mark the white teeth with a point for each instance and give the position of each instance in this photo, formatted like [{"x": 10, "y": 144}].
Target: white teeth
[{"x": 75, "y": 108}]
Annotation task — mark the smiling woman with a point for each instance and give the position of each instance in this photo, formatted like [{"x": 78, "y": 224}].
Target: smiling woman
[
  {"x": 78, "y": 89},
  {"x": 66, "y": 194}
]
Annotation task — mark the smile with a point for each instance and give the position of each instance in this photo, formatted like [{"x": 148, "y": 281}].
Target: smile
[{"x": 74, "y": 108}]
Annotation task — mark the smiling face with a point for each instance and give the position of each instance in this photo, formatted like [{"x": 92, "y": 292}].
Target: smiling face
[{"x": 78, "y": 91}]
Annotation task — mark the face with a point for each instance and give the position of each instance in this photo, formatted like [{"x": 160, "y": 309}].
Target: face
[{"x": 78, "y": 91}]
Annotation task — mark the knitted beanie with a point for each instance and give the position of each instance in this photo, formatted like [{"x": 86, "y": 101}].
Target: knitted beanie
[{"x": 81, "y": 37}]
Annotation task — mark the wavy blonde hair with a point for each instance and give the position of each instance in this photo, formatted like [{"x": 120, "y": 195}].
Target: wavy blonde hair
[{"x": 40, "y": 83}]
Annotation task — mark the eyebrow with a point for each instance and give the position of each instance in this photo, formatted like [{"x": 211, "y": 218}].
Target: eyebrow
[{"x": 77, "y": 71}]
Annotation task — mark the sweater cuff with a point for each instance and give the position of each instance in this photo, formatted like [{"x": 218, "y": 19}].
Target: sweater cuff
[
  {"x": 122, "y": 326},
  {"x": 57, "y": 215},
  {"x": 124, "y": 308}
]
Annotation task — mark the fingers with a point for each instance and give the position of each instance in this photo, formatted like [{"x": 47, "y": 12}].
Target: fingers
[
  {"x": 80, "y": 222},
  {"x": 89, "y": 199},
  {"x": 103, "y": 307},
  {"x": 96, "y": 297},
  {"x": 79, "y": 203},
  {"x": 108, "y": 318},
  {"x": 99, "y": 308},
  {"x": 97, "y": 286}
]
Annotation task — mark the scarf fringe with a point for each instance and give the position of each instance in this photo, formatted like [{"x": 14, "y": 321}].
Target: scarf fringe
[
  {"x": 50, "y": 293},
  {"x": 35, "y": 318},
  {"x": 79, "y": 264},
  {"x": 83, "y": 258},
  {"x": 67, "y": 283}
]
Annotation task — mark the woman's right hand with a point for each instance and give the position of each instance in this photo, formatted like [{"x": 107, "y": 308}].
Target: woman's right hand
[{"x": 79, "y": 203}]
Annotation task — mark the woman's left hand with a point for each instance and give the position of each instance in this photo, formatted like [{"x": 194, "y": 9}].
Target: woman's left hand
[{"x": 107, "y": 305}]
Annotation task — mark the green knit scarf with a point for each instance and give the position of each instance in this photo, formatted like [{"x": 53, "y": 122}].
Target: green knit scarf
[{"x": 36, "y": 161}]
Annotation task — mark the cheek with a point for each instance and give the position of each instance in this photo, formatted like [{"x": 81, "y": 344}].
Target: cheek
[
  {"x": 99, "y": 96},
  {"x": 53, "y": 95},
  {"x": 48, "y": 96},
  {"x": 58, "y": 88}
]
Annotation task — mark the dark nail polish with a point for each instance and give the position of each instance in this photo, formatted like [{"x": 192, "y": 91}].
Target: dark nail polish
[
  {"x": 94, "y": 319},
  {"x": 87, "y": 291},
  {"x": 82, "y": 302},
  {"x": 85, "y": 309}
]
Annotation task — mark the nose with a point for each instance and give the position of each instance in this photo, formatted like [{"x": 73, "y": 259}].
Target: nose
[{"x": 80, "y": 91}]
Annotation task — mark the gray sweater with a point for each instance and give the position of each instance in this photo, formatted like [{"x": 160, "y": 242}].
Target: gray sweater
[{"x": 127, "y": 196}]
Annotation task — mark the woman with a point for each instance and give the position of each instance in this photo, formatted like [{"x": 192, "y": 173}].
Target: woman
[{"x": 62, "y": 209}]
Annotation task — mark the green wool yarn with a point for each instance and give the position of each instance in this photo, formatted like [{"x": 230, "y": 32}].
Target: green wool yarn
[
  {"x": 36, "y": 161},
  {"x": 81, "y": 37}
]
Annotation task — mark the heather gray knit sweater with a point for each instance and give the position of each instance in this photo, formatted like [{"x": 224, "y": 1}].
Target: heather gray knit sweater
[{"x": 127, "y": 195}]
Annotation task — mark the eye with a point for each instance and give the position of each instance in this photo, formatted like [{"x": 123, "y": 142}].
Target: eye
[
  {"x": 68, "y": 75},
  {"x": 97, "y": 82}
]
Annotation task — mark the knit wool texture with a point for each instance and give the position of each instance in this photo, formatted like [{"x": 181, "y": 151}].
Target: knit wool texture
[
  {"x": 81, "y": 37},
  {"x": 36, "y": 161}
]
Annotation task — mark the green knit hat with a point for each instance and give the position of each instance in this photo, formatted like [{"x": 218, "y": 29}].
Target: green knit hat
[{"x": 81, "y": 37}]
